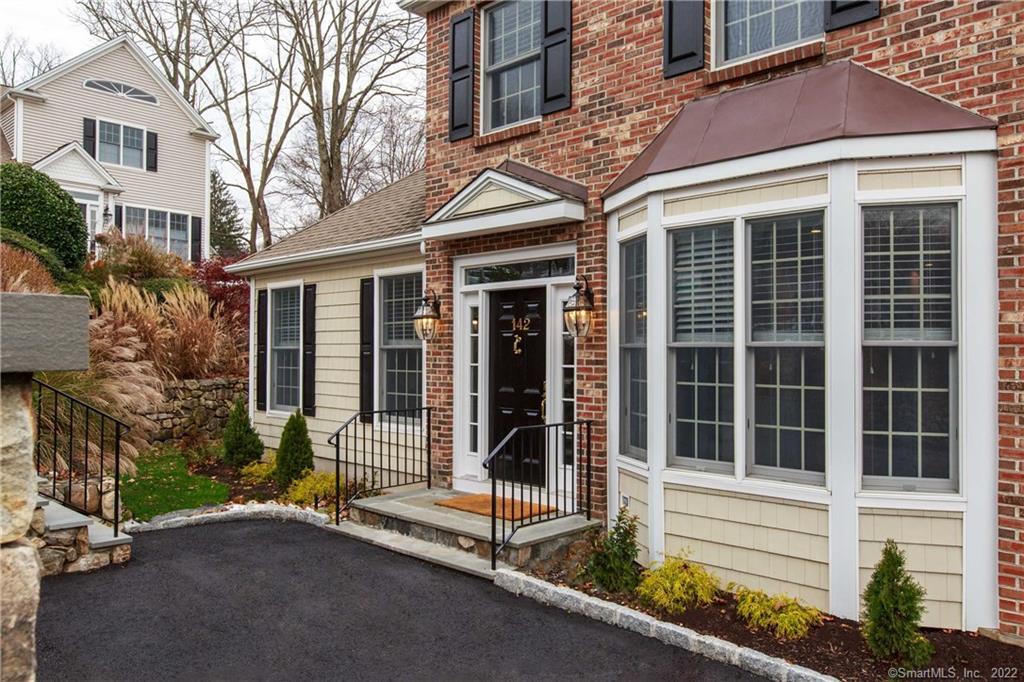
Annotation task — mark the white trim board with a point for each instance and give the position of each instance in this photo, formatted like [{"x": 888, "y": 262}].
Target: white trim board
[
  {"x": 518, "y": 218},
  {"x": 413, "y": 238}
]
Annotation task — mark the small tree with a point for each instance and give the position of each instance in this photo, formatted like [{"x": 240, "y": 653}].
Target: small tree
[
  {"x": 295, "y": 453},
  {"x": 612, "y": 564},
  {"x": 36, "y": 206},
  {"x": 227, "y": 233},
  {"x": 892, "y": 611},
  {"x": 242, "y": 445}
]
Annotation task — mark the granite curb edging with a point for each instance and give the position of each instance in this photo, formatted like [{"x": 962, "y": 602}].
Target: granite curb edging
[
  {"x": 624, "y": 617},
  {"x": 225, "y": 513}
]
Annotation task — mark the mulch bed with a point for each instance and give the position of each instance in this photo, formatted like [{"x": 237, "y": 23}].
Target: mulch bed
[
  {"x": 240, "y": 492},
  {"x": 836, "y": 648}
]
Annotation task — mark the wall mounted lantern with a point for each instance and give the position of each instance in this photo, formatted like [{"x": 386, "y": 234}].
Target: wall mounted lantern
[
  {"x": 426, "y": 321},
  {"x": 578, "y": 309}
]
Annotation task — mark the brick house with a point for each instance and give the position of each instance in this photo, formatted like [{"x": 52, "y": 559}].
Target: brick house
[{"x": 799, "y": 225}]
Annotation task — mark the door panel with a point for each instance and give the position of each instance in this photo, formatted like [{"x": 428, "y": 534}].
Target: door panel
[{"x": 518, "y": 369}]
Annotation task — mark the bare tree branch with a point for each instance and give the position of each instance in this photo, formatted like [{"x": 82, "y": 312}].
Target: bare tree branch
[{"x": 21, "y": 61}]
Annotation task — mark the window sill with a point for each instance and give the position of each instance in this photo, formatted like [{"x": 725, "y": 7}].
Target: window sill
[
  {"x": 505, "y": 134},
  {"x": 791, "y": 56},
  {"x": 761, "y": 487},
  {"x": 923, "y": 501}
]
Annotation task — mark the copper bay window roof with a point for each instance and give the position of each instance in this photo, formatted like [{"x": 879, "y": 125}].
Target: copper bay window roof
[{"x": 838, "y": 100}]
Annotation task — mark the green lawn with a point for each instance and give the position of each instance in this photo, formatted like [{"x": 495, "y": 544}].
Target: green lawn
[{"x": 163, "y": 484}]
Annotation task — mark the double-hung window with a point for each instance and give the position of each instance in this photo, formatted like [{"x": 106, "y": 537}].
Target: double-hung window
[
  {"x": 701, "y": 347},
  {"x": 179, "y": 235},
  {"x": 285, "y": 353},
  {"x": 786, "y": 347},
  {"x": 401, "y": 350},
  {"x": 122, "y": 145},
  {"x": 633, "y": 345},
  {"x": 134, "y": 221},
  {"x": 909, "y": 355},
  {"x": 512, "y": 62},
  {"x": 157, "y": 233},
  {"x": 751, "y": 27}
]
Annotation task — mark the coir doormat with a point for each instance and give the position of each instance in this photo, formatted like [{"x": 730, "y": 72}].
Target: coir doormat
[{"x": 508, "y": 509}]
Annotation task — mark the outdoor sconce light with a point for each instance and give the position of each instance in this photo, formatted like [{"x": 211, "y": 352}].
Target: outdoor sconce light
[
  {"x": 426, "y": 321},
  {"x": 578, "y": 309}
]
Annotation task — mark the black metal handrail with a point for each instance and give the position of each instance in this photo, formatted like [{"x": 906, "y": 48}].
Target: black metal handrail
[
  {"x": 393, "y": 454},
  {"x": 541, "y": 490},
  {"x": 64, "y": 445}
]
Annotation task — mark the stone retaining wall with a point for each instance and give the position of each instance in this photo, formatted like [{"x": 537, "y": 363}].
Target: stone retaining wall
[{"x": 197, "y": 406}]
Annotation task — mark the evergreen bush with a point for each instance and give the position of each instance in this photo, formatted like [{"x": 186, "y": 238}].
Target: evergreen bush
[
  {"x": 677, "y": 585},
  {"x": 295, "y": 453},
  {"x": 315, "y": 488},
  {"x": 612, "y": 563},
  {"x": 45, "y": 255},
  {"x": 242, "y": 445},
  {"x": 36, "y": 206},
  {"x": 893, "y": 605},
  {"x": 785, "y": 617}
]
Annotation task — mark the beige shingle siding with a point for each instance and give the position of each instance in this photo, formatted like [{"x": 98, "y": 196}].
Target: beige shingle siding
[
  {"x": 933, "y": 542},
  {"x": 635, "y": 487},
  {"x": 179, "y": 183},
  {"x": 337, "y": 343},
  {"x": 760, "y": 542}
]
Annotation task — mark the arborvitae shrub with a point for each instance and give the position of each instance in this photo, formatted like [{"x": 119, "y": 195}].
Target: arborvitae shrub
[
  {"x": 295, "y": 453},
  {"x": 893, "y": 605},
  {"x": 612, "y": 563},
  {"x": 242, "y": 445},
  {"x": 677, "y": 585}
]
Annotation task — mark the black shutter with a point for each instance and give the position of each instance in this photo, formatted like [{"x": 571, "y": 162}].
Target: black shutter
[
  {"x": 197, "y": 239},
  {"x": 89, "y": 136},
  {"x": 843, "y": 13},
  {"x": 151, "y": 152},
  {"x": 683, "y": 39},
  {"x": 119, "y": 217},
  {"x": 460, "y": 76},
  {"x": 366, "y": 348},
  {"x": 309, "y": 350},
  {"x": 261, "y": 349},
  {"x": 556, "y": 56}
]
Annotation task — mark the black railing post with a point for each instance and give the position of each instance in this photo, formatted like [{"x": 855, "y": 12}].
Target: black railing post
[
  {"x": 71, "y": 449},
  {"x": 430, "y": 452},
  {"x": 337, "y": 480},
  {"x": 494, "y": 519},
  {"x": 117, "y": 478},
  {"x": 588, "y": 470}
]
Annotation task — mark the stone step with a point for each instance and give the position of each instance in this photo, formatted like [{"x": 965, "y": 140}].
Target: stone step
[
  {"x": 102, "y": 537},
  {"x": 420, "y": 549},
  {"x": 59, "y": 517}
]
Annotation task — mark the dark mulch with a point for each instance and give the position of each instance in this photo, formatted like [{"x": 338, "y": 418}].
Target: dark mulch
[
  {"x": 836, "y": 647},
  {"x": 240, "y": 491}
]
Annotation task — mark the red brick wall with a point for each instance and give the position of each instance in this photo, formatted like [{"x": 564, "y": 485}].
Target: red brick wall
[{"x": 971, "y": 53}]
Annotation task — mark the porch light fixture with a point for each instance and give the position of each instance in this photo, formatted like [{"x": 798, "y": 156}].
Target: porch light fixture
[
  {"x": 578, "y": 309},
  {"x": 426, "y": 321}
]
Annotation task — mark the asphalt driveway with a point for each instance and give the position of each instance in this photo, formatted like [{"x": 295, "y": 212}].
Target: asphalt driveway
[{"x": 285, "y": 601}]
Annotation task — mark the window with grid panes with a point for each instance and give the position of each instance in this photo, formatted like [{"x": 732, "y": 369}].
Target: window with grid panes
[
  {"x": 512, "y": 62},
  {"x": 633, "y": 345},
  {"x": 179, "y": 235},
  {"x": 751, "y": 27},
  {"x": 700, "y": 350},
  {"x": 157, "y": 233},
  {"x": 474, "y": 378},
  {"x": 786, "y": 347},
  {"x": 401, "y": 350},
  {"x": 285, "y": 355},
  {"x": 909, "y": 354}
]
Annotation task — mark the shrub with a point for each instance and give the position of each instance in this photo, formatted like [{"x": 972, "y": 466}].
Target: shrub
[
  {"x": 76, "y": 284},
  {"x": 259, "y": 472},
  {"x": 36, "y": 206},
  {"x": 295, "y": 453},
  {"x": 159, "y": 286},
  {"x": 133, "y": 258},
  {"x": 677, "y": 585},
  {"x": 43, "y": 253},
  {"x": 242, "y": 445},
  {"x": 20, "y": 271},
  {"x": 198, "y": 450},
  {"x": 612, "y": 563},
  {"x": 893, "y": 605},
  {"x": 230, "y": 292},
  {"x": 315, "y": 488},
  {"x": 785, "y": 617}
]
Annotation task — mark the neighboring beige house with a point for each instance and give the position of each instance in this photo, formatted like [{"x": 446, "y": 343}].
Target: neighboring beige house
[{"x": 114, "y": 133}]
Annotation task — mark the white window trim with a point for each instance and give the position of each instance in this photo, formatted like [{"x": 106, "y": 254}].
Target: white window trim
[
  {"x": 270, "y": 286},
  {"x": 378, "y": 349},
  {"x": 122, "y": 165},
  {"x": 485, "y": 86},
  {"x": 121, "y": 96},
  {"x": 155, "y": 209},
  {"x": 718, "y": 61}
]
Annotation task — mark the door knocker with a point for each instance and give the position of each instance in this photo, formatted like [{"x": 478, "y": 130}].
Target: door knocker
[{"x": 517, "y": 344}]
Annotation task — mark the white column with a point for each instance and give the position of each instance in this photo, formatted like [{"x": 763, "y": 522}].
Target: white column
[
  {"x": 657, "y": 371},
  {"x": 979, "y": 446},
  {"x": 842, "y": 368}
]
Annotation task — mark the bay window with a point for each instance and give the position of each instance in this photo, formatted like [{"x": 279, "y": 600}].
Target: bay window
[
  {"x": 285, "y": 353},
  {"x": 909, "y": 354},
  {"x": 700, "y": 348},
  {"x": 633, "y": 344},
  {"x": 786, "y": 348},
  {"x": 401, "y": 349}
]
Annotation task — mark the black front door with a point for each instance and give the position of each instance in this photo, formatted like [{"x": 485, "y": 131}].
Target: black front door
[{"x": 518, "y": 362}]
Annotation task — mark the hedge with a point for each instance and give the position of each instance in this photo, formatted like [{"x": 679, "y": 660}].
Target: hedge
[{"x": 33, "y": 204}]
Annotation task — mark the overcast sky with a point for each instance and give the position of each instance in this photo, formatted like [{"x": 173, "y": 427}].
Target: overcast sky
[{"x": 45, "y": 21}]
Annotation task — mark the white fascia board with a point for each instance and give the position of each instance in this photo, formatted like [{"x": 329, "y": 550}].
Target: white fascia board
[
  {"x": 535, "y": 215},
  {"x": 19, "y": 93},
  {"x": 111, "y": 183},
  {"x": 421, "y": 7},
  {"x": 920, "y": 144},
  {"x": 320, "y": 254}
]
